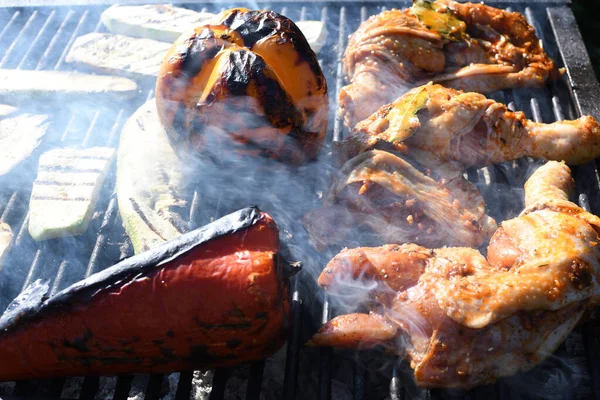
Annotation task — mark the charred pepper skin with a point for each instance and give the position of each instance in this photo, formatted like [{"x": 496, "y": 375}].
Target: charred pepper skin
[
  {"x": 215, "y": 297},
  {"x": 251, "y": 82}
]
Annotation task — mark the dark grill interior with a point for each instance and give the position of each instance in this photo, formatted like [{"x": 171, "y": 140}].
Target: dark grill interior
[{"x": 39, "y": 38}]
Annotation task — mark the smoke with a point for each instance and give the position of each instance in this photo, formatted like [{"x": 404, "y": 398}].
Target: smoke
[
  {"x": 557, "y": 378},
  {"x": 286, "y": 193},
  {"x": 217, "y": 189},
  {"x": 350, "y": 293}
]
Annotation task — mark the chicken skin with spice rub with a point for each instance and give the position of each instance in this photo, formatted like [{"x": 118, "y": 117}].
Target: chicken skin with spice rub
[{"x": 463, "y": 320}]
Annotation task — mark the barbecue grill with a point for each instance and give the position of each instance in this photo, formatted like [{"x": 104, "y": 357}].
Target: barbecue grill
[{"x": 36, "y": 34}]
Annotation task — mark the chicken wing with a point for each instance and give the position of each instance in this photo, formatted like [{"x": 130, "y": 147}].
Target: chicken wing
[
  {"x": 470, "y": 129},
  {"x": 398, "y": 201},
  {"x": 464, "y": 320},
  {"x": 464, "y": 46}
]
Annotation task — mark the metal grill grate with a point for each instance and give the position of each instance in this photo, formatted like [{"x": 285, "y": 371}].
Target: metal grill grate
[{"x": 39, "y": 38}]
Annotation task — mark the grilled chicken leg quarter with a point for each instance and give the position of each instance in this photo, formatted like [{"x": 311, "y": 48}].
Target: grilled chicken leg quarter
[
  {"x": 402, "y": 175},
  {"x": 400, "y": 201},
  {"x": 470, "y": 129},
  {"x": 466, "y": 46},
  {"x": 464, "y": 320}
]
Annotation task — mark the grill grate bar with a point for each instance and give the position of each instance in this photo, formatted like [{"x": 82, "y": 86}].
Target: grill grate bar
[
  {"x": 22, "y": 236},
  {"x": 88, "y": 133},
  {"x": 44, "y": 60},
  {"x": 559, "y": 115},
  {"x": 396, "y": 389},
  {"x": 18, "y": 39},
  {"x": 64, "y": 266},
  {"x": 89, "y": 388},
  {"x": 51, "y": 388},
  {"x": 4, "y": 197},
  {"x": 339, "y": 76},
  {"x": 10, "y": 23},
  {"x": 184, "y": 386},
  {"x": 154, "y": 386},
  {"x": 107, "y": 224},
  {"x": 218, "y": 384},
  {"x": 326, "y": 354},
  {"x": 255, "y": 380},
  {"x": 34, "y": 268},
  {"x": 360, "y": 380},
  {"x": 585, "y": 87},
  {"x": 74, "y": 36},
  {"x": 122, "y": 387},
  {"x": 115, "y": 132},
  {"x": 535, "y": 110},
  {"x": 35, "y": 41},
  {"x": 25, "y": 388},
  {"x": 11, "y": 207},
  {"x": 290, "y": 379}
]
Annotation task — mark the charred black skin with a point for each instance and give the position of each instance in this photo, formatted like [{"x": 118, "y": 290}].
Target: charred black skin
[
  {"x": 252, "y": 26},
  {"x": 256, "y": 25},
  {"x": 33, "y": 301},
  {"x": 246, "y": 69},
  {"x": 248, "y": 85},
  {"x": 186, "y": 304}
]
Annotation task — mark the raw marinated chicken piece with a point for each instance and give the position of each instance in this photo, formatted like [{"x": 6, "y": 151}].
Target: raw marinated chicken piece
[
  {"x": 400, "y": 201},
  {"x": 465, "y": 46},
  {"x": 463, "y": 320},
  {"x": 470, "y": 129}
]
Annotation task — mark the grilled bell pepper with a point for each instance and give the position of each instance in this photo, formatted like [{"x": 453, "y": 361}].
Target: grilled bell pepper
[
  {"x": 249, "y": 81},
  {"x": 214, "y": 297}
]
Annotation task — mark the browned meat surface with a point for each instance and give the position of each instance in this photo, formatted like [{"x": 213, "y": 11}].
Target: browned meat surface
[
  {"x": 464, "y": 320},
  {"x": 402, "y": 175},
  {"x": 380, "y": 194},
  {"x": 465, "y": 46},
  {"x": 470, "y": 129}
]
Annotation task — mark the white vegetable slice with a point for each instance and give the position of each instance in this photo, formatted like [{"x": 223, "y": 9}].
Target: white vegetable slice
[
  {"x": 6, "y": 110},
  {"x": 166, "y": 22},
  {"x": 150, "y": 181},
  {"x": 315, "y": 33},
  {"x": 118, "y": 54},
  {"x": 66, "y": 191},
  {"x": 20, "y": 136},
  {"x": 154, "y": 21},
  {"x": 5, "y": 240},
  {"x": 18, "y": 85}
]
